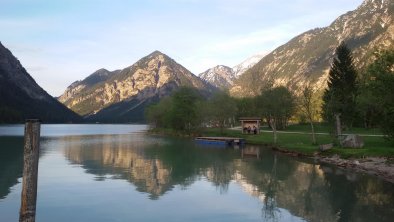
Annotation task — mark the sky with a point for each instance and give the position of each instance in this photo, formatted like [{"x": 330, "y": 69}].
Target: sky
[{"x": 61, "y": 41}]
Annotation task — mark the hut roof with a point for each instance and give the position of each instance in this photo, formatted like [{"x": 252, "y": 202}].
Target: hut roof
[{"x": 250, "y": 118}]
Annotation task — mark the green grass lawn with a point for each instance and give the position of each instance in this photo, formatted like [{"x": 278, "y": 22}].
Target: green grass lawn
[
  {"x": 302, "y": 143},
  {"x": 319, "y": 128},
  {"x": 325, "y": 128}
]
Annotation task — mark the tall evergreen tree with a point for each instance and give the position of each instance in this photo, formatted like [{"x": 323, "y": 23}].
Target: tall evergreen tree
[
  {"x": 377, "y": 98},
  {"x": 339, "y": 98}
]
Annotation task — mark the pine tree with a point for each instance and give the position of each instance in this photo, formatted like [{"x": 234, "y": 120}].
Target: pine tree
[
  {"x": 339, "y": 98},
  {"x": 378, "y": 92}
]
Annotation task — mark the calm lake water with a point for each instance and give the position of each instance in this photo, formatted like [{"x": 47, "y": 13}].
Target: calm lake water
[{"x": 119, "y": 173}]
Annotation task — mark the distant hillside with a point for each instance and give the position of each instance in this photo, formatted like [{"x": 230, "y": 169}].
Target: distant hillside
[
  {"x": 307, "y": 57},
  {"x": 247, "y": 64},
  {"x": 219, "y": 76},
  {"x": 123, "y": 96},
  {"x": 95, "y": 78},
  {"x": 223, "y": 77},
  {"x": 21, "y": 97}
]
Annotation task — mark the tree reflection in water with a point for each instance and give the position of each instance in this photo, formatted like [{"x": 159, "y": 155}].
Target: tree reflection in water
[
  {"x": 281, "y": 185},
  {"x": 270, "y": 209},
  {"x": 307, "y": 190}
]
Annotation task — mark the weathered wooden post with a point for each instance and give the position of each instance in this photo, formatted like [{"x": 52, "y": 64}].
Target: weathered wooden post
[{"x": 27, "y": 211}]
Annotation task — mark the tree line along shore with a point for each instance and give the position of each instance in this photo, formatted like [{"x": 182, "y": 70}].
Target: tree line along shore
[
  {"x": 354, "y": 102},
  {"x": 357, "y": 102}
]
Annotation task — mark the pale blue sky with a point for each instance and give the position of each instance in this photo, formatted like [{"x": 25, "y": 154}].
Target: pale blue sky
[{"x": 60, "y": 41}]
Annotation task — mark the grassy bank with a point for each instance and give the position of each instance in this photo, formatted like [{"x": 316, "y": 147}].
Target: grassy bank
[{"x": 297, "y": 139}]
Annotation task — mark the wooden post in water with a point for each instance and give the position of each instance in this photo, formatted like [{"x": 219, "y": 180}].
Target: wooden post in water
[{"x": 27, "y": 211}]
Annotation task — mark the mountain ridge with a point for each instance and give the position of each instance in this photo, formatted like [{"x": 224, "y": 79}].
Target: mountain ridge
[
  {"x": 123, "y": 96},
  {"x": 305, "y": 59},
  {"x": 220, "y": 76},
  {"x": 223, "y": 76},
  {"x": 247, "y": 64},
  {"x": 22, "y": 98}
]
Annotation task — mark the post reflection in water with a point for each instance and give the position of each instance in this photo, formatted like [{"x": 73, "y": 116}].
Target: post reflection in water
[
  {"x": 313, "y": 192},
  {"x": 176, "y": 175}
]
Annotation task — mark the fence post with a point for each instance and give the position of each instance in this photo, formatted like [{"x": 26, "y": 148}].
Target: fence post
[{"x": 27, "y": 211}]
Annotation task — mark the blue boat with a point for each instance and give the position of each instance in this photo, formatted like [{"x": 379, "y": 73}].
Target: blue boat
[{"x": 224, "y": 141}]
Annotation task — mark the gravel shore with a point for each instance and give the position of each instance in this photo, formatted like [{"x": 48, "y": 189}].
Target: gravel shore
[
  {"x": 378, "y": 166},
  {"x": 381, "y": 167}
]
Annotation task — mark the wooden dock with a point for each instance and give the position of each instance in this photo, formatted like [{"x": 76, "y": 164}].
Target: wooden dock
[{"x": 227, "y": 141}]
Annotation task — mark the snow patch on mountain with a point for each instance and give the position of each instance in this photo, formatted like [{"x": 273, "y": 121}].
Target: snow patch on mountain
[
  {"x": 219, "y": 76},
  {"x": 223, "y": 76},
  {"x": 247, "y": 64}
]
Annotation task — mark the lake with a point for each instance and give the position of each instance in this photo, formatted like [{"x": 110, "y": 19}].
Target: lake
[{"x": 120, "y": 173}]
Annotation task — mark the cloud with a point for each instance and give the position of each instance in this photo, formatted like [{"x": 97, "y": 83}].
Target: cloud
[
  {"x": 263, "y": 38},
  {"x": 234, "y": 50}
]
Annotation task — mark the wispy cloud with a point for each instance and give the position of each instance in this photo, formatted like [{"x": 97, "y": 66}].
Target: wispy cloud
[{"x": 265, "y": 38}]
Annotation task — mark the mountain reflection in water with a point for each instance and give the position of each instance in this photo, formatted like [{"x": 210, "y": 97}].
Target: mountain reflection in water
[
  {"x": 155, "y": 165},
  {"x": 11, "y": 164}
]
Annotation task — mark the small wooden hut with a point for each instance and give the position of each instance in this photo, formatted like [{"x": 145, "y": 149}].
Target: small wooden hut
[{"x": 250, "y": 125}]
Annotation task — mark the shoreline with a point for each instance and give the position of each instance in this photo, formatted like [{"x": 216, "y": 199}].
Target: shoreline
[{"x": 381, "y": 167}]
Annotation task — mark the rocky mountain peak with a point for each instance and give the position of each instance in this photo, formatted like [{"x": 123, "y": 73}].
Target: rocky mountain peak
[
  {"x": 247, "y": 64},
  {"x": 101, "y": 72},
  {"x": 306, "y": 58},
  {"x": 375, "y": 3},
  {"x": 153, "y": 76},
  {"x": 93, "y": 79},
  {"x": 220, "y": 76},
  {"x": 21, "y": 97},
  {"x": 98, "y": 76},
  {"x": 12, "y": 70},
  {"x": 157, "y": 55},
  {"x": 223, "y": 76}
]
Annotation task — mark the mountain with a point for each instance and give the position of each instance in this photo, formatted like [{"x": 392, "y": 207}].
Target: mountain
[
  {"x": 223, "y": 77},
  {"x": 219, "y": 76},
  {"x": 22, "y": 98},
  {"x": 121, "y": 96},
  {"x": 247, "y": 64},
  {"x": 306, "y": 58},
  {"x": 11, "y": 164},
  {"x": 76, "y": 87}
]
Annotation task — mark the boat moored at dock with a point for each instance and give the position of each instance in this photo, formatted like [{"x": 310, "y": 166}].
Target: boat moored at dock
[{"x": 226, "y": 141}]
